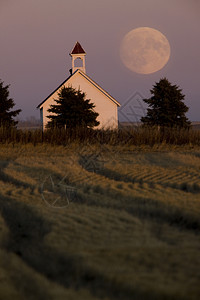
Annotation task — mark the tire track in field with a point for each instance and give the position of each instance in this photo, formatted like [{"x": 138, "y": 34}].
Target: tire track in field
[
  {"x": 40, "y": 175},
  {"x": 9, "y": 179},
  {"x": 145, "y": 207},
  {"x": 171, "y": 178},
  {"x": 26, "y": 239},
  {"x": 165, "y": 174},
  {"x": 176, "y": 179}
]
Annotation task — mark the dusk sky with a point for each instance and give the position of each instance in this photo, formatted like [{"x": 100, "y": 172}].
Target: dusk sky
[{"x": 37, "y": 36}]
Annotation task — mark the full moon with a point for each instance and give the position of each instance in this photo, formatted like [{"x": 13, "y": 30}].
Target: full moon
[{"x": 144, "y": 50}]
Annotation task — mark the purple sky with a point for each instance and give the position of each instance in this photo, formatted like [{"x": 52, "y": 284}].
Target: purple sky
[{"x": 36, "y": 37}]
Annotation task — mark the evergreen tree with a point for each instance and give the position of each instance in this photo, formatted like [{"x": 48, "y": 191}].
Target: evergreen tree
[
  {"x": 166, "y": 106},
  {"x": 72, "y": 110},
  {"x": 6, "y": 104}
]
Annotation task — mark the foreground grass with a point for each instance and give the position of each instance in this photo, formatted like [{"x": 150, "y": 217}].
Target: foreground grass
[{"x": 129, "y": 231}]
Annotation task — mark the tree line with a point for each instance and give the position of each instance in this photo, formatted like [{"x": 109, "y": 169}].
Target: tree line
[{"x": 166, "y": 108}]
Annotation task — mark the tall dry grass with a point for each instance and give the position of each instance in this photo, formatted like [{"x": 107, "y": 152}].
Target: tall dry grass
[{"x": 131, "y": 136}]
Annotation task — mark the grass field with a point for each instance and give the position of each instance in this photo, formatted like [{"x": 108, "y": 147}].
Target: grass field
[{"x": 82, "y": 222}]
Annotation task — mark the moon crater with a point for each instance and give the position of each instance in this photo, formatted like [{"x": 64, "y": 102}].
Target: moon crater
[{"x": 145, "y": 50}]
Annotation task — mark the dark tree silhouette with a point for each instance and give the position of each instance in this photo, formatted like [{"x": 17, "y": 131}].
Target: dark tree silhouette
[
  {"x": 166, "y": 106},
  {"x": 6, "y": 104},
  {"x": 72, "y": 110}
]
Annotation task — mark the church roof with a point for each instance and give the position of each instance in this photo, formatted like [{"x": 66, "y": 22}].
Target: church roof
[
  {"x": 78, "y": 49},
  {"x": 88, "y": 79}
]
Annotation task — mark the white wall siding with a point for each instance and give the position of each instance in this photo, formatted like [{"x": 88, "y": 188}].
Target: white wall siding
[{"x": 104, "y": 105}]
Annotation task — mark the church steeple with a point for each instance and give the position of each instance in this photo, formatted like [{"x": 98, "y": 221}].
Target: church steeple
[{"x": 78, "y": 53}]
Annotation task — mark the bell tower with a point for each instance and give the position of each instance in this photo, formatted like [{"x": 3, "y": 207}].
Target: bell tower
[{"x": 76, "y": 54}]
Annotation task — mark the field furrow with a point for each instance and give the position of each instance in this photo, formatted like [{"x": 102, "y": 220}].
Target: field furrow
[{"x": 82, "y": 223}]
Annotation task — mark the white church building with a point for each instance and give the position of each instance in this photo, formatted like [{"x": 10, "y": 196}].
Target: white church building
[{"x": 105, "y": 105}]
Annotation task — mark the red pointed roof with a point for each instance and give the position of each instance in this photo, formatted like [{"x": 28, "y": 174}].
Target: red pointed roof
[{"x": 78, "y": 49}]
